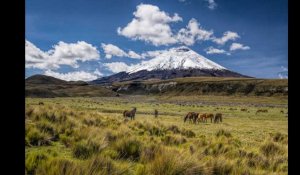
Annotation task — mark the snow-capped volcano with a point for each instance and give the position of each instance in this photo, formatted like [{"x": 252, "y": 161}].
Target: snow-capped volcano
[
  {"x": 176, "y": 58},
  {"x": 173, "y": 63}
]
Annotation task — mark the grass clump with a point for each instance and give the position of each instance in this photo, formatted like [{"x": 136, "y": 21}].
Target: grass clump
[
  {"x": 222, "y": 132},
  {"x": 129, "y": 148},
  {"x": 171, "y": 162},
  {"x": 270, "y": 149}
]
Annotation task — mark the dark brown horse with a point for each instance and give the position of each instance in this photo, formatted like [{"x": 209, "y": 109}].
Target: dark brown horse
[
  {"x": 261, "y": 110},
  {"x": 218, "y": 118},
  {"x": 191, "y": 117},
  {"x": 155, "y": 113},
  {"x": 130, "y": 114}
]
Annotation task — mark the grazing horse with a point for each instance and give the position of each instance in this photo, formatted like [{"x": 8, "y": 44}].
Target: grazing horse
[
  {"x": 201, "y": 117},
  {"x": 261, "y": 110},
  {"x": 191, "y": 116},
  {"x": 244, "y": 109},
  {"x": 218, "y": 118},
  {"x": 209, "y": 115},
  {"x": 155, "y": 113},
  {"x": 130, "y": 114}
]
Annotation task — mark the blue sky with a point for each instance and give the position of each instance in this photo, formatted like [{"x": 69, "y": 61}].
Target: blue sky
[{"x": 257, "y": 33}]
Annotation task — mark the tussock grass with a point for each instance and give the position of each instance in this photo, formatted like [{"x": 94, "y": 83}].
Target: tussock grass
[{"x": 75, "y": 136}]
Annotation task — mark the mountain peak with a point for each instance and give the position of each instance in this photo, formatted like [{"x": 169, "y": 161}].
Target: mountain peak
[
  {"x": 179, "y": 58},
  {"x": 181, "y": 49}
]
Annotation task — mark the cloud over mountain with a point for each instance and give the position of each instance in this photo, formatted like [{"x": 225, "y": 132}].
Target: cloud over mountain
[
  {"x": 73, "y": 76},
  {"x": 61, "y": 54},
  {"x": 150, "y": 24},
  {"x": 111, "y": 50}
]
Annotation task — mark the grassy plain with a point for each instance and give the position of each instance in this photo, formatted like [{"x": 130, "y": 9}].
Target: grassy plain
[{"x": 90, "y": 136}]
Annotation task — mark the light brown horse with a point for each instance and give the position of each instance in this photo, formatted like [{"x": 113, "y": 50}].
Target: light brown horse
[
  {"x": 201, "y": 117},
  {"x": 130, "y": 114},
  {"x": 218, "y": 118}
]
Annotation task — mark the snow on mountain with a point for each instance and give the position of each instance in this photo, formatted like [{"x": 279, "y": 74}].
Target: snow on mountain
[{"x": 176, "y": 58}]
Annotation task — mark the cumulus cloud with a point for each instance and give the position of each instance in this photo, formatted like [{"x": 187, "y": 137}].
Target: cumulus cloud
[
  {"x": 212, "y": 50},
  {"x": 193, "y": 32},
  {"x": 72, "y": 76},
  {"x": 60, "y": 54},
  {"x": 284, "y": 68},
  {"x": 283, "y": 76},
  {"x": 111, "y": 50},
  {"x": 238, "y": 46},
  {"x": 229, "y": 35},
  {"x": 132, "y": 54},
  {"x": 150, "y": 24},
  {"x": 98, "y": 73},
  {"x": 284, "y": 73},
  {"x": 116, "y": 67},
  {"x": 212, "y": 4}
]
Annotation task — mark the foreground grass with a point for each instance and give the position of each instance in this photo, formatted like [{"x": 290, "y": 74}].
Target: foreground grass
[{"x": 90, "y": 136}]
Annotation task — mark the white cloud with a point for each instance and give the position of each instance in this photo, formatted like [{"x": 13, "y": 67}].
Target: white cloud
[
  {"x": 284, "y": 68},
  {"x": 72, "y": 76},
  {"x": 181, "y": 0},
  {"x": 116, "y": 67},
  {"x": 282, "y": 76},
  {"x": 61, "y": 54},
  {"x": 150, "y": 24},
  {"x": 132, "y": 54},
  {"x": 238, "y": 46},
  {"x": 212, "y": 4},
  {"x": 193, "y": 32},
  {"x": 98, "y": 73},
  {"x": 111, "y": 50},
  {"x": 36, "y": 58},
  {"x": 212, "y": 50},
  {"x": 229, "y": 35}
]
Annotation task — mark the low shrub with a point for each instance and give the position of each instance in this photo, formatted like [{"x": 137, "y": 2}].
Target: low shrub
[{"x": 128, "y": 148}]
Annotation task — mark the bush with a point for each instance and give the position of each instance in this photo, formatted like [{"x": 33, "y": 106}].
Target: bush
[
  {"x": 188, "y": 133},
  {"x": 33, "y": 160},
  {"x": 174, "y": 129},
  {"x": 222, "y": 132},
  {"x": 83, "y": 150},
  {"x": 279, "y": 137},
  {"x": 173, "y": 140},
  {"x": 221, "y": 166},
  {"x": 171, "y": 162},
  {"x": 270, "y": 149},
  {"x": 100, "y": 165},
  {"x": 36, "y": 138},
  {"x": 129, "y": 148},
  {"x": 148, "y": 152},
  {"x": 59, "y": 166}
]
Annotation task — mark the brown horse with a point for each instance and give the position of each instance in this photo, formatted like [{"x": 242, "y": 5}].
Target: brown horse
[
  {"x": 155, "y": 113},
  {"x": 261, "y": 110},
  {"x": 191, "y": 117},
  {"x": 130, "y": 114},
  {"x": 201, "y": 117},
  {"x": 209, "y": 115},
  {"x": 218, "y": 118}
]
